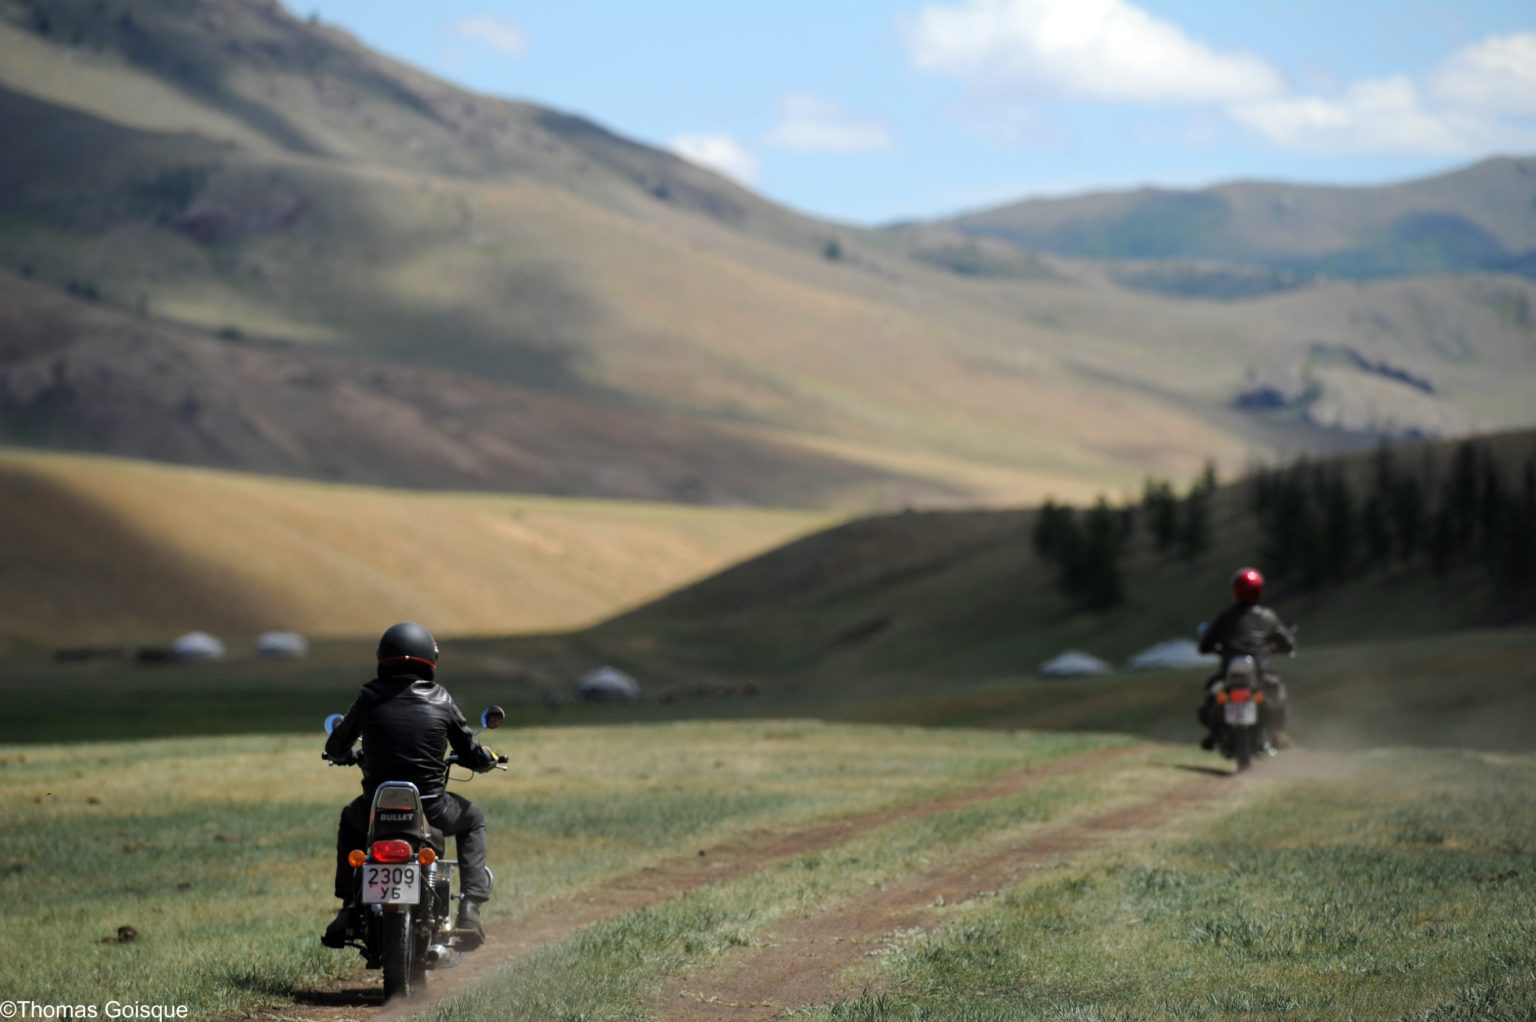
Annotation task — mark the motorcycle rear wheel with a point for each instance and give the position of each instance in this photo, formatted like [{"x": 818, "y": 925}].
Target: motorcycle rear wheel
[
  {"x": 403, "y": 974},
  {"x": 1242, "y": 742}
]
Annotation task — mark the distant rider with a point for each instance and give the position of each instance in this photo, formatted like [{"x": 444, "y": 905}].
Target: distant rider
[
  {"x": 406, "y": 720},
  {"x": 1247, "y": 629}
]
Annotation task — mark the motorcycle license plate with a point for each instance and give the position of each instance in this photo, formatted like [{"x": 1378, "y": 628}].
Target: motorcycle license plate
[
  {"x": 391, "y": 885},
  {"x": 1242, "y": 714}
]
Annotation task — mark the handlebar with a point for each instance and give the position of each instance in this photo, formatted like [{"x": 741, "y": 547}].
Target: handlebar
[
  {"x": 451, "y": 760},
  {"x": 499, "y": 764}
]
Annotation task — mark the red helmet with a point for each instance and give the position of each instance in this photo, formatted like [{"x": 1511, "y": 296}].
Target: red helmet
[{"x": 1247, "y": 585}]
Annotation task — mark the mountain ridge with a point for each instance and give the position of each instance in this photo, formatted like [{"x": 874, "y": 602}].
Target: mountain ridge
[
  {"x": 1477, "y": 217},
  {"x": 555, "y": 307}
]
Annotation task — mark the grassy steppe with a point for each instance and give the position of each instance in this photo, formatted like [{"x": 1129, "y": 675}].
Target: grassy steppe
[
  {"x": 1386, "y": 885},
  {"x": 218, "y": 850},
  {"x": 1399, "y": 888},
  {"x": 1474, "y": 688}
]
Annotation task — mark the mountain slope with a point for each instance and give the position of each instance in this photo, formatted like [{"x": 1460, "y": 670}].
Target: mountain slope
[{"x": 342, "y": 268}]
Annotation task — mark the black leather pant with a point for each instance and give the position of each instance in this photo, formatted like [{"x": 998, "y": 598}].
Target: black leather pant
[{"x": 450, "y": 813}]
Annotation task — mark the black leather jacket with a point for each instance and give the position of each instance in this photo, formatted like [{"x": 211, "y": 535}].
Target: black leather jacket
[
  {"x": 1247, "y": 629},
  {"x": 405, "y": 723}
]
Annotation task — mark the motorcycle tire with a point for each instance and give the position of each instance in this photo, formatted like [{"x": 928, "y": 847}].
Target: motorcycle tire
[
  {"x": 1242, "y": 743},
  {"x": 400, "y": 967}
]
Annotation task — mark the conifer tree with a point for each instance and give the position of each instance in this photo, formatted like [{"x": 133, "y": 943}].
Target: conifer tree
[
  {"x": 1339, "y": 528},
  {"x": 1407, "y": 512},
  {"x": 1376, "y": 530},
  {"x": 1162, "y": 512}
]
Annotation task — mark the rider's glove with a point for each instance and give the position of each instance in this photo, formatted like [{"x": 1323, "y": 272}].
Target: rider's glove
[
  {"x": 348, "y": 758},
  {"x": 487, "y": 761}
]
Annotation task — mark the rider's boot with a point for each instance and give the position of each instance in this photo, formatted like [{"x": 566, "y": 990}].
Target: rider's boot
[
  {"x": 1209, "y": 741},
  {"x": 335, "y": 935},
  {"x": 470, "y": 932}
]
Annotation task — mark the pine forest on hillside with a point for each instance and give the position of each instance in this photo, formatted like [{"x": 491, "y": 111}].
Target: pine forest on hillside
[{"x": 1321, "y": 522}]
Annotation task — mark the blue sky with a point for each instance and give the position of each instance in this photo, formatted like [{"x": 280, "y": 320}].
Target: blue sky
[{"x": 870, "y": 111}]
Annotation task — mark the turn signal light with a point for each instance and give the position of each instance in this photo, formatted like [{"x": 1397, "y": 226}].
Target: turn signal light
[
  {"x": 1221, "y": 697},
  {"x": 1258, "y": 697},
  {"x": 393, "y": 850},
  {"x": 426, "y": 856},
  {"x": 356, "y": 857}
]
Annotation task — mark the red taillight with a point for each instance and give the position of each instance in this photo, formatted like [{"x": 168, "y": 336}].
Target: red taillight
[
  {"x": 392, "y": 851},
  {"x": 1239, "y": 695}
]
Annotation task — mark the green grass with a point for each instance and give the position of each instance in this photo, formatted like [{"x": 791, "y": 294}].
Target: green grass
[
  {"x": 1402, "y": 888},
  {"x": 218, "y": 850},
  {"x": 619, "y": 968},
  {"x": 1391, "y": 884},
  {"x": 1382, "y": 892}
]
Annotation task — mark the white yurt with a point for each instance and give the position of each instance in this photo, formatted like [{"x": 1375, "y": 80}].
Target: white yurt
[
  {"x": 197, "y": 646},
  {"x": 1074, "y": 663},
  {"x": 1171, "y": 654},
  {"x": 289, "y": 645},
  {"x": 607, "y": 684}
]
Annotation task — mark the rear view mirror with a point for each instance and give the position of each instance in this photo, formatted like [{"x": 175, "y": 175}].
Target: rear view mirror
[
  {"x": 491, "y": 717},
  {"x": 331, "y": 722}
]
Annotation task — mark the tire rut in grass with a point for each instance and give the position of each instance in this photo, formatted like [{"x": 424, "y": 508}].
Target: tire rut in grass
[
  {"x": 546, "y": 923},
  {"x": 802, "y": 961}
]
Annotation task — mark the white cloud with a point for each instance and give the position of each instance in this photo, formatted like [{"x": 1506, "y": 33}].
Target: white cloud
[
  {"x": 497, "y": 33},
  {"x": 1481, "y": 98},
  {"x": 811, "y": 124},
  {"x": 1497, "y": 75},
  {"x": 717, "y": 152},
  {"x": 1380, "y": 116},
  {"x": 1021, "y": 54},
  {"x": 1081, "y": 49}
]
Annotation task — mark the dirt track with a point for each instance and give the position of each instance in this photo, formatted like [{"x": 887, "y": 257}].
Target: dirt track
[{"x": 800, "y": 962}]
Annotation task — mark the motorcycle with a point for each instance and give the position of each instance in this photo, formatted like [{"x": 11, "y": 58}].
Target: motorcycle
[
  {"x": 403, "y": 882},
  {"x": 1240, "y": 700}
]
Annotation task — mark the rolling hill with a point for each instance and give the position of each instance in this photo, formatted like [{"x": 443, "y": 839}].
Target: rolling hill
[
  {"x": 964, "y": 594},
  {"x": 232, "y": 238},
  {"x": 936, "y": 618},
  {"x": 111, "y": 552}
]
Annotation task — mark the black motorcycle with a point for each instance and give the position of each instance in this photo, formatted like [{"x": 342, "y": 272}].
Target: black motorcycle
[
  {"x": 1243, "y": 727},
  {"x": 403, "y": 892}
]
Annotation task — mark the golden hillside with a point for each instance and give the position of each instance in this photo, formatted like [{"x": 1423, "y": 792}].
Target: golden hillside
[{"x": 100, "y": 550}]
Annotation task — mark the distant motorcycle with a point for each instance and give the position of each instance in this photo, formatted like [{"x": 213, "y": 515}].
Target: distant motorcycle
[
  {"x": 403, "y": 882},
  {"x": 1242, "y": 732}
]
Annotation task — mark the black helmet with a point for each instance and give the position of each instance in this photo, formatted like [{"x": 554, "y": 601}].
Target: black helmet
[{"x": 407, "y": 648}]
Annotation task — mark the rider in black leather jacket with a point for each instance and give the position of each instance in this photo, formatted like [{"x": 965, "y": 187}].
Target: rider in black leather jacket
[
  {"x": 406, "y": 719},
  {"x": 1247, "y": 629}
]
